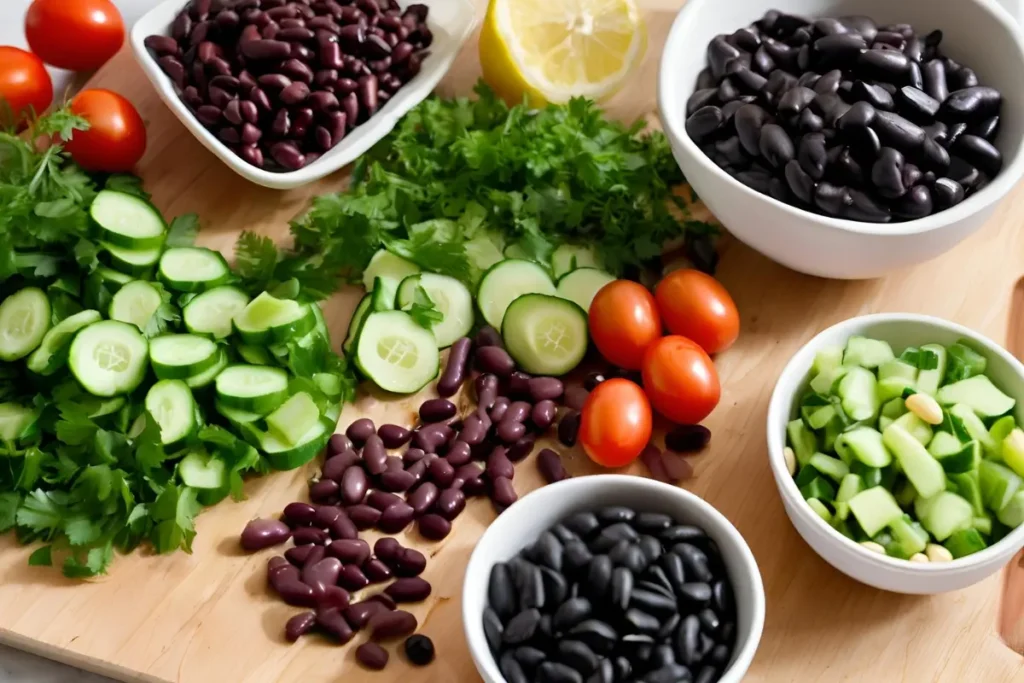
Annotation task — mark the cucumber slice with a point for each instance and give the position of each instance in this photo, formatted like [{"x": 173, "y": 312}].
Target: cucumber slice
[
  {"x": 358, "y": 316},
  {"x": 16, "y": 421},
  {"x": 580, "y": 286},
  {"x": 875, "y": 509},
  {"x": 968, "y": 487},
  {"x": 893, "y": 387},
  {"x": 235, "y": 415},
  {"x": 24, "y": 321},
  {"x": 946, "y": 513},
  {"x": 820, "y": 509},
  {"x": 909, "y": 536},
  {"x": 964, "y": 459},
  {"x": 979, "y": 393},
  {"x": 506, "y": 282},
  {"x": 253, "y": 388},
  {"x": 858, "y": 390},
  {"x": 52, "y": 353},
  {"x": 828, "y": 358},
  {"x": 928, "y": 381},
  {"x": 109, "y": 358},
  {"x": 818, "y": 488},
  {"x": 387, "y": 266},
  {"x": 294, "y": 418},
  {"x": 396, "y": 353},
  {"x": 998, "y": 484},
  {"x": 963, "y": 362},
  {"x": 518, "y": 252},
  {"x": 193, "y": 269},
  {"x": 383, "y": 294},
  {"x": 134, "y": 262},
  {"x": 975, "y": 427},
  {"x": 125, "y": 220},
  {"x": 833, "y": 468},
  {"x": 135, "y": 303},
  {"x": 254, "y": 355},
  {"x": 451, "y": 298},
  {"x": 1012, "y": 448},
  {"x": 923, "y": 471},
  {"x": 171, "y": 404},
  {"x": 211, "y": 312},
  {"x": 267, "y": 319},
  {"x": 100, "y": 285},
  {"x": 917, "y": 427},
  {"x": 897, "y": 368},
  {"x": 283, "y": 456},
  {"x": 569, "y": 257},
  {"x": 546, "y": 335},
  {"x": 207, "y": 376},
  {"x": 201, "y": 471},
  {"x": 802, "y": 440},
  {"x": 179, "y": 356},
  {"x": 867, "y": 353},
  {"x": 866, "y": 445},
  {"x": 825, "y": 381}
]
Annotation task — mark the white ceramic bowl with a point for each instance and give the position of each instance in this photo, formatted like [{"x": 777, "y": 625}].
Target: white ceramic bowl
[
  {"x": 979, "y": 33},
  {"x": 900, "y": 330},
  {"x": 451, "y": 21},
  {"x": 521, "y": 525}
]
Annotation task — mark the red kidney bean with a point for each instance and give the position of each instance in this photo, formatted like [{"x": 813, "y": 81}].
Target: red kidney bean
[
  {"x": 250, "y": 33},
  {"x": 264, "y": 533},
  {"x": 397, "y": 480},
  {"x": 266, "y": 49},
  {"x": 349, "y": 550},
  {"x": 376, "y": 46},
  {"x": 499, "y": 465},
  {"x": 370, "y": 7},
  {"x": 299, "y": 514},
  {"x": 518, "y": 384},
  {"x": 174, "y": 69},
  {"x": 412, "y": 455},
  {"x": 442, "y": 471},
  {"x": 233, "y": 114},
  {"x": 503, "y": 493},
  {"x": 488, "y": 336},
  {"x": 459, "y": 454},
  {"x": 518, "y": 411},
  {"x": 336, "y": 122},
  {"x": 250, "y": 134},
  {"x": 323, "y": 101},
  {"x": 430, "y": 437},
  {"x": 375, "y": 456},
  {"x": 279, "y": 569},
  {"x": 372, "y": 656},
  {"x": 354, "y": 484},
  {"x": 322, "y": 574},
  {"x": 259, "y": 98},
  {"x": 324, "y": 491},
  {"x": 336, "y": 465},
  {"x": 542, "y": 388},
  {"x": 227, "y": 19},
  {"x": 295, "y": 93},
  {"x": 410, "y": 563},
  {"x": 376, "y": 571},
  {"x": 326, "y": 515},
  {"x": 360, "y": 430},
  {"x": 325, "y": 77},
  {"x": 294, "y": 34},
  {"x": 568, "y": 428},
  {"x": 334, "y": 624},
  {"x": 409, "y": 589},
  {"x": 550, "y": 465},
  {"x": 181, "y": 26},
  {"x": 395, "y": 518},
  {"x": 436, "y": 410},
  {"x": 382, "y": 500},
  {"x": 358, "y": 614},
  {"x": 384, "y": 599},
  {"x": 288, "y": 155},
  {"x": 324, "y": 23},
  {"x": 424, "y": 496},
  {"x": 351, "y": 578},
  {"x": 292, "y": 23},
  {"x": 162, "y": 45},
  {"x": 496, "y": 360},
  {"x": 434, "y": 527},
  {"x": 285, "y": 12},
  {"x": 298, "y": 555},
  {"x": 367, "y": 93},
  {"x": 191, "y": 96},
  {"x": 521, "y": 448},
  {"x": 419, "y": 469},
  {"x": 387, "y": 625},
  {"x": 229, "y": 135},
  {"x": 299, "y": 625},
  {"x": 389, "y": 83},
  {"x": 468, "y": 471},
  {"x": 300, "y": 51},
  {"x": 343, "y": 527},
  {"x": 474, "y": 487},
  {"x": 474, "y": 429},
  {"x": 350, "y": 105},
  {"x": 387, "y": 549},
  {"x": 486, "y": 389},
  {"x": 333, "y": 596},
  {"x": 498, "y": 410},
  {"x": 543, "y": 414},
  {"x": 363, "y": 516},
  {"x": 330, "y": 55},
  {"x": 296, "y": 593},
  {"x": 456, "y": 368},
  {"x": 509, "y": 430},
  {"x": 450, "y": 503}
]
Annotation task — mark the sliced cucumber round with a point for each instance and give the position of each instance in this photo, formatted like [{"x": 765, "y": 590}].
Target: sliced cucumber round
[
  {"x": 254, "y": 388},
  {"x": 267, "y": 319},
  {"x": 396, "y": 353},
  {"x": 580, "y": 286},
  {"x": 135, "y": 303},
  {"x": 546, "y": 335},
  {"x": 505, "y": 282},
  {"x": 52, "y": 353},
  {"x": 201, "y": 471},
  {"x": 254, "y": 355},
  {"x": 193, "y": 269},
  {"x": 109, "y": 358},
  {"x": 210, "y": 374},
  {"x": 212, "y": 311},
  {"x": 386, "y": 265},
  {"x": 135, "y": 262},
  {"x": 24, "y": 320},
  {"x": 179, "y": 356},
  {"x": 171, "y": 404},
  {"x": 284, "y": 456},
  {"x": 452, "y": 300},
  {"x": 356, "y": 323},
  {"x": 235, "y": 415},
  {"x": 568, "y": 257},
  {"x": 125, "y": 220}
]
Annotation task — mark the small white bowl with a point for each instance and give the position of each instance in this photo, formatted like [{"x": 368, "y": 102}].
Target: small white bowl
[
  {"x": 978, "y": 33},
  {"x": 900, "y": 330},
  {"x": 522, "y": 523},
  {"x": 451, "y": 21}
]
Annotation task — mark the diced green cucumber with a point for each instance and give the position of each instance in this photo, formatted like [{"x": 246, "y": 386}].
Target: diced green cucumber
[
  {"x": 382, "y": 296},
  {"x": 546, "y": 335},
  {"x": 946, "y": 513},
  {"x": 867, "y": 353},
  {"x": 964, "y": 542},
  {"x": 998, "y": 484},
  {"x": 964, "y": 459},
  {"x": 893, "y": 387},
  {"x": 135, "y": 303},
  {"x": 897, "y": 368},
  {"x": 135, "y": 262},
  {"x": 874, "y": 509},
  {"x": 254, "y": 355},
  {"x": 979, "y": 394},
  {"x": 396, "y": 353},
  {"x": 802, "y": 440},
  {"x": 983, "y": 524},
  {"x": 850, "y": 486},
  {"x": 1012, "y": 514},
  {"x": 171, "y": 404},
  {"x": 580, "y": 286},
  {"x": 833, "y": 430},
  {"x": 929, "y": 380},
  {"x": 126, "y": 220},
  {"x": 506, "y": 282},
  {"x": 833, "y": 468},
  {"x": 235, "y": 415},
  {"x": 963, "y": 362},
  {"x": 363, "y": 309},
  {"x": 390, "y": 268},
  {"x": 968, "y": 487},
  {"x": 269, "y": 320},
  {"x": 866, "y": 445},
  {"x": 975, "y": 427},
  {"x": 253, "y": 388},
  {"x": 923, "y": 471},
  {"x": 284, "y": 456},
  {"x": 16, "y": 422},
  {"x": 293, "y": 418},
  {"x": 569, "y": 257},
  {"x": 1001, "y": 429},
  {"x": 52, "y": 353},
  {"x": 805, "y": 475},
  {"x": 211, "y": 312},
  {"x": 828, "y": 358},
  {"x": 820, "y": 509},
  {"x": 893, "y": 409},
  {"x": 179, "y": 356},
  {"x": 1012, "y": 449},
  {"x": 451, "y": 298},
  {"x": 201, "y": 471},
  {"x": 825, "y": 381},
  {"x": 918, "y": 428},
  {"x": 857, "y": 389},
  {"x": 909, "y": 537},
  {"x": 905, "y": 493},
  {"x": 819, "y": 488},
  {"x": 193, "y": 269},
  {"x": 24, "y": 321},
  {"x": 817, "y": 418},
  {"x": 944, "y": 444},
  {"x": 109, "y": 358}
]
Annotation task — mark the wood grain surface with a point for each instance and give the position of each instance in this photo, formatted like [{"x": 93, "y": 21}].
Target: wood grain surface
[{"x": 208, "y": 616}]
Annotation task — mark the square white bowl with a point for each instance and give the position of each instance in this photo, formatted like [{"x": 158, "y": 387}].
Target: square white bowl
[{"x": 451, "y": 21}]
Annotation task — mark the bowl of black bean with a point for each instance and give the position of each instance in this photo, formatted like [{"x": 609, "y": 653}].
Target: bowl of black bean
[
  {"x": 612, "y": 578},
  {"x": 285, "y": 92},
  {"x": 846, "y": 138}
]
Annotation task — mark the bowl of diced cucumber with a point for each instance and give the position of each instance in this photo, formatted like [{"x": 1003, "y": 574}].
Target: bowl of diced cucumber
[{"x": 896, "y": 444}]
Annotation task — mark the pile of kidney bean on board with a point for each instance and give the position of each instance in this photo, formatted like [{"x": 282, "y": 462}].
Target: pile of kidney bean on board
[
  {"x": 281, "y": 82},
  {"x": 362, "y": 486},
  {"x": 846, "y": 118}
]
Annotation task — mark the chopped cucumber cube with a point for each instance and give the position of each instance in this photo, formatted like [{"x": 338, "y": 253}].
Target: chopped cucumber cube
[
  {"x": 932, "y": 365},
  {"x": 1012, "y": 514},
  {"x": 858, "y": 390},
  {"x": 979, "y": 394},
  {"x": 824, "y": 382},
  {"x": 964, "y": 542},
  {"x": 968, "y": 486},
  {"x": 946, "y": 513},
  {"x": 828, "y": 358},
  {"x": 964, "y": 362},
  {"x": 819, "y": 488},
  {"x": 802, "y": 440},
  {"x": 975, "y": 427},
  {"x": 820, "y": 509},
  {"x": 1013, "y": 451},
  {"x": 294, "y": 418},
  {"x": 874, "y": 509},
  {"x": 918, "y": 428},
  {"x": 833, "y": 468},
  {"x": 923, "y": 471},
  {"x": 908, "y": 536},
  {"x": 998, "y": 484},
  {"x": 867, "y": 353},
  {"x": 867, "y": 446}
]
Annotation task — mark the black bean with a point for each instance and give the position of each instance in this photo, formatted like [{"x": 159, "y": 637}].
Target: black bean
[
  {"x": 570, "y": 613},
  {"x": 522, "y": 627},
  {"x": 511, "y": 669},
  {"x": 863, "y": 207},
  {"x": 696, "y": 594},
  {"x": 971, "y": 104},
  {"x": 719, "y": 54},
  {"x": 705, "y": 121},
  {"x": 578, "y": 656},
  {"x": 978, "y": 152},
  {"x": 887, "y": 173},
  {"x": 964, "y": 78},
  {"x": 947, "y": 193},
  {"x": 701, "y": 98},
  {"x": 556, "y": 672},
  {"x": 577, "y": 556},
  {"x": 916, "y": 203},
  {"x": 583, "y": 523},
  {"x": 568, "y": 428},
  {"x": 556, "y": 588},
  {"x": 598, "y": 635},
  {"x": 599, "y": 574},
  {"x": 749, "y": 120},
  {"x": 623, "y": 668},
  {"x": 707, "y": 674},
  {"x": 839, "y": 49},
  {"x": 621, "y": 587},
  {"x": 670, "y": 673},
  {"x": 809, "y": 122}
]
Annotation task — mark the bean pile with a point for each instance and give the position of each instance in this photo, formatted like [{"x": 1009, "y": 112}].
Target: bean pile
[
  {"x": 845, "y": 118},
  {"x": 281, "y": 82},
  {"x": 613, "y": 595}
]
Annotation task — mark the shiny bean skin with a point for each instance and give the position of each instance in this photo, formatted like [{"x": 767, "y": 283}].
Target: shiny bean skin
[
  {"x": 456, "y": 368},
  {"x": 376, "y": 571},
  {"x": 510, "y": 431},
  {"x": 499, "y": 465},
  {"x": 324, "y": 491},
  {"x": 397, "y": 480},
  {"x": 568, "y": 428},
  {"x": 503, "y": 493},
  {"x": 375, "y": 456},
  {"x": 264, "y": 533},
  {"x": 474, "y": 429},
  {"x": 521, "y": 448},
  {"x": 410, "y": 563},
  {"x": 488, "y": 336},
  {"x": 550, "y": 465},
  {"x": 363, "y": 516},
  {"x": 494, "y": 359},
  {"x": 486, "y": 389},
  {"x": 409, "y": 589},
  {"x": 394, "y": 436},
  {"x": 434, "y": 527},
  {"x": 424, "y": 496},
  {"x": 437, "y": 410},
  {"x": 382, "y": 500},
  {"x": 499, "y": 409},
  {"x": 450, "y": 503},
  {"x": 299, "y": 625},
  {"x": 386, "y": 625},
  {"x": 333, "y": 623},
  {"x": 396, "y": 518},
  {"x": 459, "y": 453},
  {"x": 349, "y": 550},
  {"x": 343, "y": 528},
  {"x": 543, "y": 414},
  {"x": 299, "y": 514},
  {"x": 358, "y": 614},
  {"x": 442, "y": 473}
]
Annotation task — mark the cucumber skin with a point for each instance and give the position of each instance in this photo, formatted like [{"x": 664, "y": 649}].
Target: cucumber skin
[{"x": 526, "y": 363}]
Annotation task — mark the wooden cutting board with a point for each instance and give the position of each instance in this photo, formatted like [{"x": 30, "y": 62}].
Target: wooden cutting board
[{"x": 208, "y": 617}]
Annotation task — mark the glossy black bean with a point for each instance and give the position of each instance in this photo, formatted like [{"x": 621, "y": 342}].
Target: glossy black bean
[
  {"x": 978, "y": 152},
  {"x": 971, "y": 104},
  {"x": 719, "y": 54},
  {"x": 521, "y": 627},
  {"x": 749, "y": 121},
  {"x": 703, "y": 122},
  {"x": 863, "y": 207},
  {"x": 511, "y": 669},
  {"x": 812, "y": 155},
  {"x": 700, "y": 99},
  {"x": 887, "y": 173},
  {"x": 916, "y": 203},
  {"x": 795, "y": 100},
  {"x": 947, "y": 193},
  {"x": 493, "y": 630},
  {"x": 809, "y": 122}
]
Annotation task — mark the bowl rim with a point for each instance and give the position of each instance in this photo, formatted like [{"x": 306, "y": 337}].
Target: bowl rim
[
  {"x": 781, "y": 402},
  {"x": 364, "y": 136},
  {"x": 747, "y": 564},
  {"x": 669, "y": 85}
]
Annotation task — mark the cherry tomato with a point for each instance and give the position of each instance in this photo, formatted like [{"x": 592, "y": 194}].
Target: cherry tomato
[
  {"x": 116, "y": 137},
  {"x": 24, "y": 85},
  {"x": 680, "y": 380},
  {"x": 79, "y": 35},
  {"x": 615, "y": 424},
  {"x": 623, "y": 322},
  {"x": 696, "y": 305}
]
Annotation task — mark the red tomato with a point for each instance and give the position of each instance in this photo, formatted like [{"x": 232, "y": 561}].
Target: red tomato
[
  {"x": 623, "y": 322},
  {"x": 79, "y": 35},
  {"x": 615, "y": 424},
  {"x": 696, "y": 305},
  {"x": 24, "y": 85},
  {"x": 116, "y": 137},
  {"x": 680, "y": 380}
]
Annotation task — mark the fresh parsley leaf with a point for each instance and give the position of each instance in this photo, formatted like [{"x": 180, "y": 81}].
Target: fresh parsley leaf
[
  {"x": 41, "y": 513},
  {"x": 149, "y": 448},
  {"x": 183, "y": 231},
  {"x": 96, "y": 562},
  {"x": 127, "y": 183},
  {"x": 165, "y": 316},
  {"x": 82, "y": 530},
  {"x": 41, "y": 557},
  {"x": 9, "y": 504},
  {"x": 423, "y": 310},
  {"x": 255, "y": 260}
]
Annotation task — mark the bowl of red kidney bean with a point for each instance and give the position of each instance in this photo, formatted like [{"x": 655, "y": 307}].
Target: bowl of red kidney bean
[
  {"x": 288, "y": 91},
  {"x": 610, "y": 578},
  {"x": 846, "y": 138}
]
